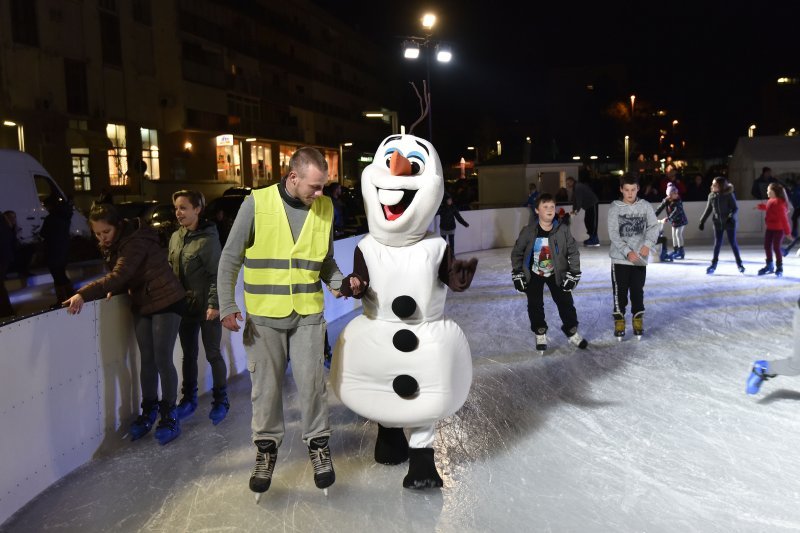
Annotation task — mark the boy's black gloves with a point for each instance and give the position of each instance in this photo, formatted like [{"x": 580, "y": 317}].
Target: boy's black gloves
[
  {"x": 570, "y": 281},
  {"x": 519, "y": 281}
]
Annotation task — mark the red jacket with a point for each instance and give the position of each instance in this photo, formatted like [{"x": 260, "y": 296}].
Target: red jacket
[{"x": 776, "y": 216}]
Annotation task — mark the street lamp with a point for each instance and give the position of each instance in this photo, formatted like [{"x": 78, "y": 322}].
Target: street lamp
[
  {"x": 751, "y": 130},
  {"x": 633, "y": 99},
  {"x": 475, "y": 149},
  {"x": 383, "y": 114},
  {"x": 627, "y": 151},
  {"x": 442, "y": 51}
]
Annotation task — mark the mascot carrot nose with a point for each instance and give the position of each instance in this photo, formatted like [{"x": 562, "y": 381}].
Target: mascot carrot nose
[{"x": 399, "y": 165}]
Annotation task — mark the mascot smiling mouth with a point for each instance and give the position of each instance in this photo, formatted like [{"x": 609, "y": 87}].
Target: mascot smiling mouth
[{"x": 395, "y": 202}]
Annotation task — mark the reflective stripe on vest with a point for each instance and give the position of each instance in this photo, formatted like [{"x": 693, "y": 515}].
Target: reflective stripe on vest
[{"x": 280, "y": 275}]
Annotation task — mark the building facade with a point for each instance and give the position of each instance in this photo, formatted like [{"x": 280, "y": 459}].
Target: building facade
[{"x": 140, "y": 98}]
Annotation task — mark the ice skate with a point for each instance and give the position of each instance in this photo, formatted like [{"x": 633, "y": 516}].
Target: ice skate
[
  {"x": 713, "y": 267},
  {"x": 679, "y": 253},
  {"x": 220, "y": 406},
  {"x": 779, "y": 270},
  {"x": 638, "y": 324},
  {"x": 266, "y": 455},
  {"x": 144, "y": 422},
  {"x": 664, "y": 256},
  {"x": 619, "y": 326},
  {"x": 541, "y": 341},
  {"x": 169, "y": 427},
  {"x": 758, "y": 375},
  {"x": 422, "y": 472},
  {"x": 592, "y": 241},
  {"x": 740, "y": 267},
  {"x": 320, "y": 454},
  {"x": 188, "y": 403},
  {"x": 768, "y": 269}
]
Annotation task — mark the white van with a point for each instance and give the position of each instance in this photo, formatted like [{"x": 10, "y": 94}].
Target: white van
[{"x": 24, "y": 184}]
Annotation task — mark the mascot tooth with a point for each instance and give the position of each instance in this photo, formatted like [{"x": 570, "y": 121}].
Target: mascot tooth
[{"x": 401, "y": 363}]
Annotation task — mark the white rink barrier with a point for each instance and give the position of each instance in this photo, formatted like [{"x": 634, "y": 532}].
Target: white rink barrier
[{"x": 69, "y": 385}]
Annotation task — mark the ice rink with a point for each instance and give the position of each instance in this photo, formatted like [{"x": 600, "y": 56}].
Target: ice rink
[{"x": 654, "y": 435}]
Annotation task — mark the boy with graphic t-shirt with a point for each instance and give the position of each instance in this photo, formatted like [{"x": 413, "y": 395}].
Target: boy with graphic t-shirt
[{"x": 546, "y": 254}]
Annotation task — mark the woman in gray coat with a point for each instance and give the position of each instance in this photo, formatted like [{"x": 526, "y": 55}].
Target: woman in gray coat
[
  {"x": 194, "y": 251},
  {"x": 722, "y": 203}
]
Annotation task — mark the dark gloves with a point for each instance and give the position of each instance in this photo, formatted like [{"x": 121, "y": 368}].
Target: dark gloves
[
  {"x": 466, "y": 224},
  {"x": 570, "y": 281},
  {"x": 702, "y": 226},
  {"x": 519, "y": 281}
]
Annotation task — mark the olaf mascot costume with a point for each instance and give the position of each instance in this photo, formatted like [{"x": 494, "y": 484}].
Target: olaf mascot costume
[{"x": 401, "y": 363}]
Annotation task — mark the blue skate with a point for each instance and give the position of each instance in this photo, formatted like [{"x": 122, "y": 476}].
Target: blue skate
[
  {"x": 144, "y": 422},
  {"x": 758, "y": 375},
  {"x": 220, "y": 406},
  {"x": 169, "y": 427}
]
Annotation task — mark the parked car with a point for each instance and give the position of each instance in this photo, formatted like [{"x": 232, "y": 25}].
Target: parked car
[
  {"x": 159, "y": 216},
  {"x": 223, "y": 210}
]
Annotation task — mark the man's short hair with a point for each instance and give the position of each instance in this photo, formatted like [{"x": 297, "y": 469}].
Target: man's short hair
[
  {"x": 544, "y": 197},
  {"x": 628, "y": 179},
  {"x": 307, "y": 156},
  {"x": 570, "y": 178},
  {"x": 766, "y": 169}
]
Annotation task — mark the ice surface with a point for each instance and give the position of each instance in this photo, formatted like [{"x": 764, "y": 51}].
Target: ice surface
[{"x": 652, "y": 435}]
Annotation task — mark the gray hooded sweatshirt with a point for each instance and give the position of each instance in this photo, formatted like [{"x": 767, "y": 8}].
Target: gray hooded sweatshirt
[{"x": 631, "y": 226}]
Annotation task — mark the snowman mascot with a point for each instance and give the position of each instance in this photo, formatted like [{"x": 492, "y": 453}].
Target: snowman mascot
[{"x": 401, "y": 363}]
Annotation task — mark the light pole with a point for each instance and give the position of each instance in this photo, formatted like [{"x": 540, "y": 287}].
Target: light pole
[
  {"x": 633, "y": 100},
  {"x": 751, "y": 131},
  {"x": 627, "y": 152},
  {"x": 341, "y": 160},
  {"x": 411, "y": 50}
]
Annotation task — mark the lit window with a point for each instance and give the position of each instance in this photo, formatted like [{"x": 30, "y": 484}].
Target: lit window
[
  {"x": 151, "y": 168},
  {"x": 80, "y": 169},
  {"x": 117, "y": 156}
]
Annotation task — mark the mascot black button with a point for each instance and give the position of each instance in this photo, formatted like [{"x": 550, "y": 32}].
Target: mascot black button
[
  {"x": 405, "y": 386},
  {"x": 405, "y": 340},
  {"x": 404, "y": 306}
]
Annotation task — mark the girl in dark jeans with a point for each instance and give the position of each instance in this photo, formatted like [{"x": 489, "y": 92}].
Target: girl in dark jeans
[
  {"x": 722, "y": 203},
  {"x": 138, "y": 266}
]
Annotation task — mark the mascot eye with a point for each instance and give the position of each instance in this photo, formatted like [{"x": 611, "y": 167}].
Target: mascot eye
[{"x": 417, "y": 165}]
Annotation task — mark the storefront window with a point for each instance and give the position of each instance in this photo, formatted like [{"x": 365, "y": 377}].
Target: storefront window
[
  {"x": 229, "y": 159},
  {"x": 285, "y": 155},
  {"x": 261, "y": 160}
]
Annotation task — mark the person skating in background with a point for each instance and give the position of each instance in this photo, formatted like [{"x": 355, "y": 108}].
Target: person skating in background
[
  {"x": 194, "y": 252},
  {"x": 138, "y": 265},
  {"x": 55, "y": 235},
  {"x": 763, "y": 370},
  {"x": 633, "y": 229},
  {"x": 722, "y": 207},
  {"x": 6, "y": 257},
  {"x": 448, "y": 214},
  {"x": 530, "y": 202},
  {"x": 794, "y": 200},
  {"x": 545, "y": 253},
  {"x": 777, "y": 223},
  {"x": 676, "y": 216},
  {"x": 583, "y": 197}
]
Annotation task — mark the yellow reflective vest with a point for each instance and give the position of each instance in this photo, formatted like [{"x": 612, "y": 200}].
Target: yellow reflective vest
[{"x": 280, "y": 275}]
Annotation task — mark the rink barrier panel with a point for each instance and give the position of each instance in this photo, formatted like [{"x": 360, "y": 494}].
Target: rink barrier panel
[{"x": 69, "y": 385}]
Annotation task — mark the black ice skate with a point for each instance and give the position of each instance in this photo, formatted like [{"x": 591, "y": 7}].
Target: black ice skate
[
  {"x": 320, "y": 454},
  {"x": 422, "y": 472},
  {"x": 619, "y": 326},
  {"x": 391, "y": 448},
  {"x": 261, "y": 477},
  {"x": 638, "y": 324}
]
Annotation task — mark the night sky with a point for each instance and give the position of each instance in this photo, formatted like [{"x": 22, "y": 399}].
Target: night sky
[{"x": 705, "y": 62}]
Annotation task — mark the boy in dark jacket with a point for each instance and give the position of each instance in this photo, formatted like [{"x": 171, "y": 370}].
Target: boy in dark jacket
[
  {"x": 448, "y": 214},
  {"x": 546, "y": 254}
]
